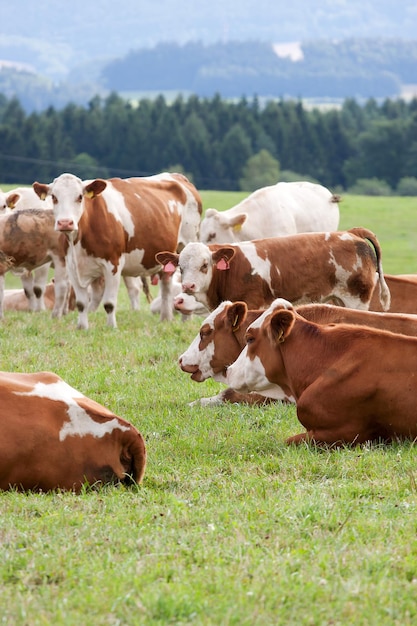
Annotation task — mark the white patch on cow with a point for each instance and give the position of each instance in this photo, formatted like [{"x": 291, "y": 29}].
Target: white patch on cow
[
  {"x": 116, "y": 206},
  {"x": 80, "y": 423},
  {"x": 195, "y": 356},
  {"x": 346, "y": 237},
  {"x": 260, "y": 266}
]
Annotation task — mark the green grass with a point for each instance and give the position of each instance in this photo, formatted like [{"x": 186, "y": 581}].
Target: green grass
[{"x": 230, "y": 526}]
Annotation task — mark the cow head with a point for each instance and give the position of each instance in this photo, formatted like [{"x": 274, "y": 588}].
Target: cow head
[
  {"x": 215, "y": 347},
  {"x": 68, "y": 193},
  {"x": 197, "y": 262},
  {"x": 218, "y": 227},
  {"x": 260, "y": 364}
]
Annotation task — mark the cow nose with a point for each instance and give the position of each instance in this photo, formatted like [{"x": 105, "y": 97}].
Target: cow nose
[
  {"x": 188, "y": 288},
  {"x": 65, "y": 224}
]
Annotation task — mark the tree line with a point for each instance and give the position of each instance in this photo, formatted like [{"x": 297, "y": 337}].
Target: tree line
[{"x": 212, "y": 140}]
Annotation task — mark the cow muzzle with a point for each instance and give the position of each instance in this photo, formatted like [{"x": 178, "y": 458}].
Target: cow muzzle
[{"x": 65, "y": 225}]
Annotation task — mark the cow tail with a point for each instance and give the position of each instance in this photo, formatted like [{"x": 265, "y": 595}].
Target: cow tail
[{"x": 384, "y": 292}]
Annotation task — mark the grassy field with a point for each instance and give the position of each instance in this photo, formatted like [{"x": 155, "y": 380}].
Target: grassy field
[{"x": 230, "y": 526}]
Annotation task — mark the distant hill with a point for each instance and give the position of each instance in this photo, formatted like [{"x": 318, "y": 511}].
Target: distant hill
[
  {"x": 52, "y": 53},
  {"x": 56, "y": 37}
]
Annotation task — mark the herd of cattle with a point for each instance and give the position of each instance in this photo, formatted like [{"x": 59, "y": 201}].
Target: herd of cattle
[{"x": 295, "y": 311}]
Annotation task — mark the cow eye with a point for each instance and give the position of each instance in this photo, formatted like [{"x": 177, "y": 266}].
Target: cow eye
[
  {"x": 211, "y": 237},
  {"x": 249, "y": 339},
  {"x": 204, "y": 267},
  {"x": 54, "y": 199},
  {"x": 80, "y": 199}
]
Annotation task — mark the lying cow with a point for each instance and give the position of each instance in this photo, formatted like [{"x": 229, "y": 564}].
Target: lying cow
[
  {"x": 183, "y": 303},
  {"x": 403, "y": 289},
  {"x": 351, "y": 384},
  {"x": 339, "y": 267},
  {"x": 273, "y": 211},
  {"x": 222, "y": 338},
  {"x": 53, "y": 437}
]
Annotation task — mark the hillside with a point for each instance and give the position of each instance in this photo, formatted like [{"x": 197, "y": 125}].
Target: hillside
[{"x": 54, "y": 38}]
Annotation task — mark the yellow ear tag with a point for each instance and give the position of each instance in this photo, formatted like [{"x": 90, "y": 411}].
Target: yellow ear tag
[
  {"x": 43, "y": 196},
  {"x": 90, "y": 194},
  {"x": 237, "y": 227}
]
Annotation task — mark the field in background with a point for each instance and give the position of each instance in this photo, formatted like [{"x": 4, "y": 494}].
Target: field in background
[{"x": 230, "y": 527}]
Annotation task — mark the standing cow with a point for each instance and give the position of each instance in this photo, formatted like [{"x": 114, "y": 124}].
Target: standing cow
[
  {"x": 340, "y": 267},
  {"x": 274, "y": 211},
  {"x": 115, "y": 228},
  {"x": 30, "y": 241}
]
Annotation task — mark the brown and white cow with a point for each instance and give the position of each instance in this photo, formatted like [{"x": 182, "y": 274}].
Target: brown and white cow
[
  {"x": 29, "y": 239},
  {"x": 403, "y": 289},
  {"x": 115, "y": 228},
  {"x": 222, "y": 338},
  {"x": 273, "y": 211},
  {"x": 338, "y": 267},
  {"x": 54, "y": 437},
  {"x": 351, "y": 384}
]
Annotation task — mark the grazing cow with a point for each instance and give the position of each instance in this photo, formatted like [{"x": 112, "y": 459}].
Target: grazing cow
[
  {"x": 338, "y": 267},
  {"x": 53, "y": 437},
  {"x": 28, "y": 237},
  {"x": 115, "y": 227},
  {"x": 222, "y": 337},
  {"x": 274, "y": 211},
  {"x": 403, "y": 289},
  {"x": 351, "y": 384}
]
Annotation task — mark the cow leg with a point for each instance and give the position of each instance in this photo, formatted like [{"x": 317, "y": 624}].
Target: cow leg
[
  {"x": 27, "y": 283},
  {"x": 96, "y": 293},
  {"x": 40, "y": 279},
  {"x": 111, "y": 290},
  {"x": 167, "y": 298},
  {"x": 61, "y": 288},
  {"x": 133, "y": 286},
  {"x": 1, "y": 295}
]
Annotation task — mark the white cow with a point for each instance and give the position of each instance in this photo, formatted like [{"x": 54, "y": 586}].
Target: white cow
[
  {"x": 183, "y": 303},
  {"x": 26, "y": 198},
  {"x": 274, "y": 211}
]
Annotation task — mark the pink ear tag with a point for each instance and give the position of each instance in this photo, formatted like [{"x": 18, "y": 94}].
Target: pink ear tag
[
  {"x": 169, "y": 268},
  {"x": 223, "y": 264}
]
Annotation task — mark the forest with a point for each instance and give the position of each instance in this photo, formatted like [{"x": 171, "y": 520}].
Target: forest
[{"x": 215, "y": 141}]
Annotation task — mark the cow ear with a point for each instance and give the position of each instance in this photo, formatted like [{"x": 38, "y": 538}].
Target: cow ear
[
  {"x": 237, "y": 222},
  {"x": 222, "y": 257},
  {"x": 236, "y": 314},
  {"x": 95, "y": 188},
  {"x": 41, "y": 189},
  {"x": 281, "y": 324},
  {"x": 12, "y": 200},
  {"x": 169, "y": 261}
]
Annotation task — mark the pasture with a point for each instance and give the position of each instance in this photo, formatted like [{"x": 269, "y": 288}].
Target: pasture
[{"x": 230, "y": 526}]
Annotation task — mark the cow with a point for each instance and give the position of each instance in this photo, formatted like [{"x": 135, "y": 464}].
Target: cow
[
  {"x": 26, "y": 198},
  {"x": 34, "y": 284},
  {"x": 29, "y": 239},
  {"x": 403, "y": 289},
  {"x": 222, "y": 338},
  {"x": 182, "y": 303},
  {"x": 115, "y": 228},
  {"x": 54, "y": 437},
  {"x": 338, "y": 267},
  {"x": 351, "y": 384},
  {"x": 273, "y": 211}
]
